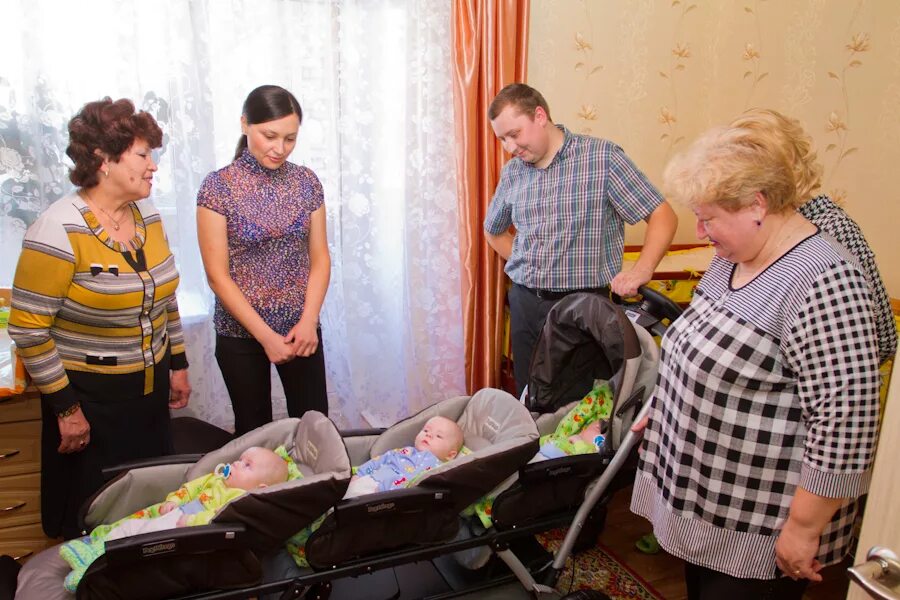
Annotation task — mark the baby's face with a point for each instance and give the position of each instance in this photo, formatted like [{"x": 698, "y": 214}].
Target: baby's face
[
  {"x": 440, "y": 436},
  {"x": 257, "y": 467}
]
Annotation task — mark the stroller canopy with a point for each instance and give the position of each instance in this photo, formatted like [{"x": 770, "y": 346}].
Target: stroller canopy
[{"x": 585, "y": 337}]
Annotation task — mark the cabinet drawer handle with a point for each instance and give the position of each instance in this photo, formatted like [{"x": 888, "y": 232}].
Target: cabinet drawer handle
[
  {"x": 15, "y": 506},
  {"x": 8, "y": 453},
  {"x": 21, "y": 556}
]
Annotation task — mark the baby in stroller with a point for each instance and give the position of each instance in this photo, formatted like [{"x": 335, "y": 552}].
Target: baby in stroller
[
  {"x": 440, "y": 440},
  {"x": 581, "y": 430},
  {"x": 228, "y": 552},
  {"x": 194, "y": 503}
]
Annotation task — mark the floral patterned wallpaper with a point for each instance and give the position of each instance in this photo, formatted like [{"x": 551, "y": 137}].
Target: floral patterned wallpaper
[{"x": 653, "y": 74}]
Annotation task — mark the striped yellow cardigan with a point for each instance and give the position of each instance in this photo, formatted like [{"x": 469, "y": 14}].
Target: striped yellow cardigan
[{"x": 79, "y": 304}]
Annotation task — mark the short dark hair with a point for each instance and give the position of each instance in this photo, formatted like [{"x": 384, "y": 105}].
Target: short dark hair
[
  {"x": 111, "y": 127},
  {"x": 522, "y": 96},
  {"x": 267, "y": 103}
]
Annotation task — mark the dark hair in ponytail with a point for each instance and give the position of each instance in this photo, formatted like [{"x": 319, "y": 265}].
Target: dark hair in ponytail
[{"x": 267, "y": 103}]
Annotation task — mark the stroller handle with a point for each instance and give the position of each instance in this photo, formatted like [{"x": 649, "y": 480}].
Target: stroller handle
[{"x": 630, "y": 440}]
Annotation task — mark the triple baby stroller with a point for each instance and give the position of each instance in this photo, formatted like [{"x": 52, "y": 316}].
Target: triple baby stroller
[{"x": 420, "y": 524}]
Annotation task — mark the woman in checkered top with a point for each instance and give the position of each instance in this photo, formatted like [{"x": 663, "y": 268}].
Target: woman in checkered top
[{"x": 762, "y": 428}]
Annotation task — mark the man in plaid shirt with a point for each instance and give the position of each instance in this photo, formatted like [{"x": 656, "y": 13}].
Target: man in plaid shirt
[{"x": 569, "y": 197}]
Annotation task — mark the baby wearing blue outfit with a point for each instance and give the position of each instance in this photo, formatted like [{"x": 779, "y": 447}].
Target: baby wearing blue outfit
[{"x": 439, "y": 441}]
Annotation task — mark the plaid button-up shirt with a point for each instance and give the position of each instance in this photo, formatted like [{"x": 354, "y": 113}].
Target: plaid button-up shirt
[{"x": 570, "y": 216}]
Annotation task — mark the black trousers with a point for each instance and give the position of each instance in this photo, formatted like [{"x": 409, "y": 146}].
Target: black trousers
[
  {"x": 707, "y": 584},
  {"x": 247, "y": 373},
  {"x": 126, "y": 425},
  {"x": 527, "y": 314}
]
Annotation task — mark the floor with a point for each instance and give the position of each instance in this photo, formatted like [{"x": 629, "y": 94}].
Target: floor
[{"x": 665, "y": 572}]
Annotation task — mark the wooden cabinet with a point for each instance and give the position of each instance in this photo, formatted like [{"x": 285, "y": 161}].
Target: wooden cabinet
[{"x": 21, "y": 535}]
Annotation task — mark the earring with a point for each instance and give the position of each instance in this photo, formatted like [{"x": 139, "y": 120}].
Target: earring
[
  {"x": 106, "y": 174},
  {"x": 758, "y": 223}
]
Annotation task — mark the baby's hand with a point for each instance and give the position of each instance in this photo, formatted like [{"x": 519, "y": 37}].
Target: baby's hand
[
  {"x": 590, "y": 432},
  {"x": 166, "y": 508}
]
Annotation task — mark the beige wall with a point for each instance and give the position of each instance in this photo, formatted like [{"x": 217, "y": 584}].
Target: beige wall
[{"x": 652, "y": 74}]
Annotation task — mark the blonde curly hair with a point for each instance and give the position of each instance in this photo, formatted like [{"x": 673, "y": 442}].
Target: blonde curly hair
[
  {"x": 786, "y": 133},
  {"x": 728, "y": 166}
]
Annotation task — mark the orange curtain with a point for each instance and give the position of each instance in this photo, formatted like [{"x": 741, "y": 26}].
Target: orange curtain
[{"x": 490, "y": 51}]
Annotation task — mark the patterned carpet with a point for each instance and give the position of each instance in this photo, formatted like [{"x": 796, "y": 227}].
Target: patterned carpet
[{"x": 599, "y": 569}]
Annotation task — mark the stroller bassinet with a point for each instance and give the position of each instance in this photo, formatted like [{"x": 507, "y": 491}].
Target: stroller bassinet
[
  {"x": 224, "y": 554},
  {"x": 586, "y": 338}
]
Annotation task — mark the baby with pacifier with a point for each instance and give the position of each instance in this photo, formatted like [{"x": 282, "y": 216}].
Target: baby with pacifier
[{"x": 194, "y": 503}]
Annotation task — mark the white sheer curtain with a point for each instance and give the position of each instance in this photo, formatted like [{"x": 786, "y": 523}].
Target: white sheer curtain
[{"x": 374, "y": 80}]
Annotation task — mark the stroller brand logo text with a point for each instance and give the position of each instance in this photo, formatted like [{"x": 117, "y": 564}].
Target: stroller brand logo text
[
  {"x": 380, "y": 507},
  {"x": 159, "y": 548},
  {"x": 559, "y": 471}
]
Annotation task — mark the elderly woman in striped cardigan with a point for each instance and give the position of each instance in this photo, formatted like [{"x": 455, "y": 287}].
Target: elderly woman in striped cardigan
[{"x": 94, "y": 313}]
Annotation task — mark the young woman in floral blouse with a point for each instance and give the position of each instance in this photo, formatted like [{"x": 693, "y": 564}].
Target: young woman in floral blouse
[{"x": 261, "y": 226}]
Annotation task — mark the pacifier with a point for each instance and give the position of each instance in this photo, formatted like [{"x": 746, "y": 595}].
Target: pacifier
[
  {"x": 598, "y": 440},
  {"x": 223, "y": 469}
]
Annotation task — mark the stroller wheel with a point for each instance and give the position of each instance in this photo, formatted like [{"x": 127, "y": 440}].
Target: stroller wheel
[{"x": 586, "y": 595}]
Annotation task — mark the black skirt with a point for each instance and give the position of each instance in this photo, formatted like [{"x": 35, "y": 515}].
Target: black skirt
[{"x": 126, "y": 425}]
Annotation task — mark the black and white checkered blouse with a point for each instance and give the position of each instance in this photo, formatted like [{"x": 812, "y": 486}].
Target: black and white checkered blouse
[{"x": 761, "y": 389}]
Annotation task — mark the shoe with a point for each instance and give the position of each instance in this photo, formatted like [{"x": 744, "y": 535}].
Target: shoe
[{"x": 648, "y": 544}]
